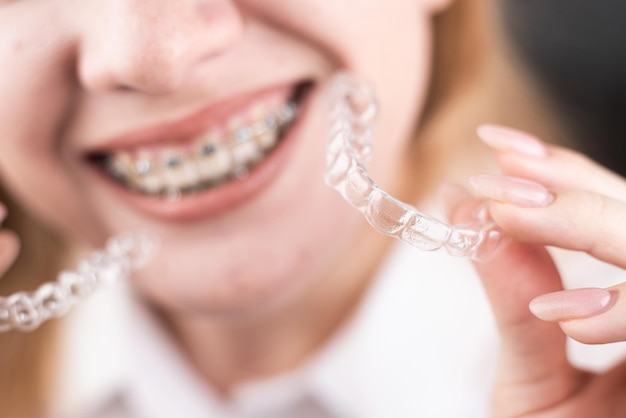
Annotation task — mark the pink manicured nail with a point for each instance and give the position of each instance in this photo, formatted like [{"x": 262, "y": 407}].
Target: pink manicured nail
[
  {"x": 514, "y": 190},
  {"x": 572, "y": 304},
  {"x": 507, "y": 139}
]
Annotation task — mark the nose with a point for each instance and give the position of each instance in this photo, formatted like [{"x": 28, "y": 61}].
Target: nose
[{"x": 152, "y": 46}]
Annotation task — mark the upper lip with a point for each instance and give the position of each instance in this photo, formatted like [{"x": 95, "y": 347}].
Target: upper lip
[{"x": 186, "y": 127}]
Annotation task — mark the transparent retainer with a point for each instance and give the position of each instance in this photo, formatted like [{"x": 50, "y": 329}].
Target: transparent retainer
[
  {"x": 26, "y": 311},
  {"x": 352, "y": 116}
]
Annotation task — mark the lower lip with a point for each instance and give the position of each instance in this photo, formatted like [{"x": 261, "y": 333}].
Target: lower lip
[{"x": 213, "y": 202}]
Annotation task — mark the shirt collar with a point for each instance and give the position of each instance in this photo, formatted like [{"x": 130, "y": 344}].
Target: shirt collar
[
  {"x": 159, "y": 371},
  {"x": 396, "y": 347}
]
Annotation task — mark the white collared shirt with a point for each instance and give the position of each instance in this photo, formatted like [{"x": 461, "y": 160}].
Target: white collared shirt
[{"x": 422, "y": 344}]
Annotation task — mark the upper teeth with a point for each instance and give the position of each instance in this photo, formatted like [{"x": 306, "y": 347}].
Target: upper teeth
[{"x": 210, "y": 158}]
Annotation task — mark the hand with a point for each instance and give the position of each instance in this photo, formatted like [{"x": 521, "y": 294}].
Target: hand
[
  {"x": 555, "y": 197},
  {"x": 9, "y": 245}
]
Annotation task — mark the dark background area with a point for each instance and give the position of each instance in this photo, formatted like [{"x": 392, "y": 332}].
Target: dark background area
[{"x": 576, "y": 49}]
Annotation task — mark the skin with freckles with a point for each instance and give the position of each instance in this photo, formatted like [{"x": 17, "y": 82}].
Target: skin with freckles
[
  {"x": 107, "y": 69},
  {"x": 254, "y": 274},
  {"x": 87, "y": 76}
]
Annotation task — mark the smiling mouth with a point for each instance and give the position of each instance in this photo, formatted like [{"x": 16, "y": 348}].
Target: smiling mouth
[{"x": 224, "y": 152}]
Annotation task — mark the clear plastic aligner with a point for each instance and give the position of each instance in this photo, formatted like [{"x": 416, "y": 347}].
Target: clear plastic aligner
[
  {"x": 353, "y": 113},
  {"x": 25, "y": 311}
]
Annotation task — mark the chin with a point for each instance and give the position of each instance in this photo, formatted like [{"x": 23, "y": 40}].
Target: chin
[
  {"x": 238, "y": 294},
  {"x": 241, "y": 273}
]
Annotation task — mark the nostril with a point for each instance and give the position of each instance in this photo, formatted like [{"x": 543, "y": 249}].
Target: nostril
[
  {"x": 144, "y": 67},
  {"x": 156, "y": 75},
  {"x": 155, "y": 48}
]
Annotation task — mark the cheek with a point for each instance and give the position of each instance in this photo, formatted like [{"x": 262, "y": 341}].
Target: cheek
[
  {"x": 34, "y": 71},
  {"x": 35, "y": 95},
  {"x": 357, "y": 34},
  {"x": 386, "y": 46}
]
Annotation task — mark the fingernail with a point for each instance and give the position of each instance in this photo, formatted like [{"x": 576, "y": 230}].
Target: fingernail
[
  {"x": 513, "y": 190},
  {"x": 507, "y": 139},
  {"x": 572, "y": 304}
]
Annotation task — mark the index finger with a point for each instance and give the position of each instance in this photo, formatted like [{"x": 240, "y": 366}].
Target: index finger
[
  {"x": 532, "y": 356},
  {"x": 570, "y": 219}
]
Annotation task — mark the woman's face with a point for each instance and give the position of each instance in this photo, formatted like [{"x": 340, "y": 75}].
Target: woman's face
[{"x": 173, "y": 117}]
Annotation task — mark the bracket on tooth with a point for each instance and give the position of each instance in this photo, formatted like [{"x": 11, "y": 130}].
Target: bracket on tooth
[
  {"x": 211, "y": 162},
  {"x": 353, "y": 110}
]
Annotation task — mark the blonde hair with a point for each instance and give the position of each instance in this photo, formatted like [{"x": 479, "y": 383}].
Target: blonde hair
[
  {"x": 27, "y": 360},
  {"x": 458, "y": 38}
]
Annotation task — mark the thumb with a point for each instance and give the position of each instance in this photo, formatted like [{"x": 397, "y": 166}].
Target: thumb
[{"x": 533, "y": 371}]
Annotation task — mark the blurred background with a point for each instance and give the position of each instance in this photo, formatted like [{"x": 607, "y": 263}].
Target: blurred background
[{"x": 576, "y": 50}]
